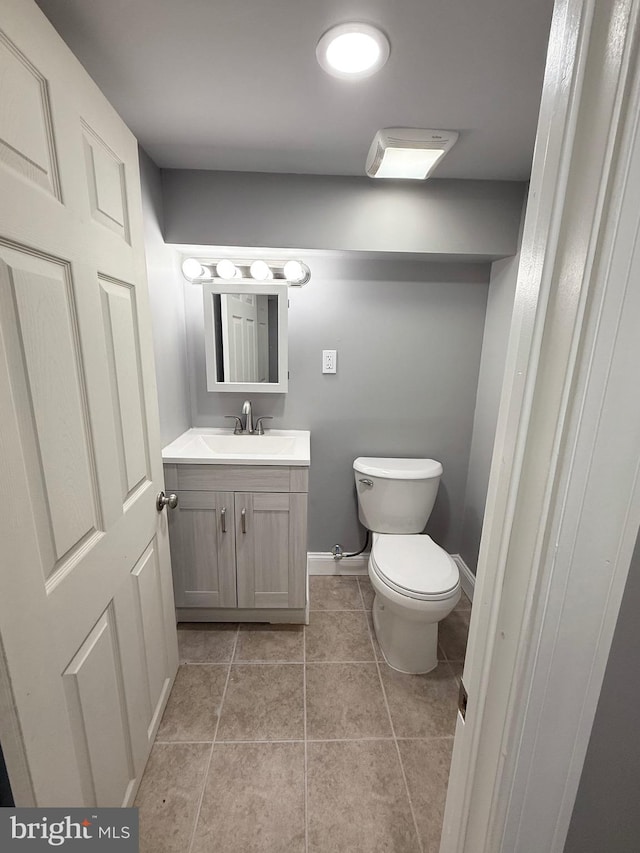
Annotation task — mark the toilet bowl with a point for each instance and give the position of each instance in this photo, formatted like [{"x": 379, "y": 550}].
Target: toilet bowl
[{"x": 416, "y": 583}]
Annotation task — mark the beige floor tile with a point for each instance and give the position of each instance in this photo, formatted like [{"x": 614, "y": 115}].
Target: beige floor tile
[
  {"x": 457, "y": 668},
  {"x": 270, "y": 643},
  {"x": 254, "y": 800},
  {"x": 206, "y": 642},
  {"x": 194, "y": 705},
  {"x": 368, "y": 592},
  {"x": 422, "y": 705},
  {"x": 263, "y": 702},
  {"x": 345, "y": 700},
  {"x": 452, "y": 634},
  {"x": 357, "y": 801},
  {"x": 376, "y": 645},
  {"x": 335, "y": 636},
  {"x": 463, "y": 604},
  {"x": 334, "y": 593},
  {"x": 169, "y": 795},
  {"x": 426, "y": 766}
]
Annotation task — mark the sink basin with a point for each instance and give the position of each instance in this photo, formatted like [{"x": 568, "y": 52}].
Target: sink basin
[
  {"x": 219, "y": 446},
  {"x": 243, "y": 445}
]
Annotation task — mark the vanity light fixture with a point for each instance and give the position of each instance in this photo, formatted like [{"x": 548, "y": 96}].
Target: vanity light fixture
[
  {"x": 248, "y": 271},
  {"x": 409, "y": 153},
  {"x": 352, "y": 51}
]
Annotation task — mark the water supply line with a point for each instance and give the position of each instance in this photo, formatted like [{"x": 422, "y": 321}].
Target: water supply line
[{"x": 338, "y": 554}]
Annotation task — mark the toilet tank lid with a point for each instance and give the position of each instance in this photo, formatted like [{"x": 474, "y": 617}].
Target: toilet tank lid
[{"x": 398, "y": 469}]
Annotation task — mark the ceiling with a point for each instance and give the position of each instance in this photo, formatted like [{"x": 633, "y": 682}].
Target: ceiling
[{"x": 235, "y": 85}]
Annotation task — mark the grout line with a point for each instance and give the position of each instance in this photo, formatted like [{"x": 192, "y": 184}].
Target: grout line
[
  {"x": 288, "y": 662},
  {"x": 337, "y": 609},
  {"x": 361, "y": 596},
  {"x": 183, "y": 742},
  {"x": 395, "y": 740},
  {"x": 206, "y": 775},
  {"x": 429, "y": 738},
  {"x": 348, "y": 739},
  {"x": 299, "y": 740},
  {"x": 306, "y": 763}
]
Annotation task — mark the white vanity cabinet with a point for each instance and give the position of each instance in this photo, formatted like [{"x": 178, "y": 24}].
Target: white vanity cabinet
[{"x": 239, "y": 542}]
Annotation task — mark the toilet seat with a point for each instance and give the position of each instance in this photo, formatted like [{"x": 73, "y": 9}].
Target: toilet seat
[{"x": 415, "y": 566}]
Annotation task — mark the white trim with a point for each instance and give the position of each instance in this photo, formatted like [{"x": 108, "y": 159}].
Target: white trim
[
  {"x": 270, "y": 288},
  {"x": 321, "y": 563},
  {"x": 467, "y": 578},
  {"x": 563, "y": 505}
]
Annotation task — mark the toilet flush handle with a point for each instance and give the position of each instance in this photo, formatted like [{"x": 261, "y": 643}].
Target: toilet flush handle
[{"x": 366, "y": 482}]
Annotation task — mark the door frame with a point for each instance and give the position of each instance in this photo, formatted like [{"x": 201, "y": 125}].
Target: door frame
[{"x": 563, "y": 498}]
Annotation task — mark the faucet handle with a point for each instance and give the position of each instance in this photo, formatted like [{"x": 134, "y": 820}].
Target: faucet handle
[
  {"x": 259, "y": 428},
  {"x": 238, "y": 425}
]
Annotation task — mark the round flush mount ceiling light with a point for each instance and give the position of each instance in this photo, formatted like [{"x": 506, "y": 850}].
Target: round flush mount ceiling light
[{"x": 352, "y": 51}]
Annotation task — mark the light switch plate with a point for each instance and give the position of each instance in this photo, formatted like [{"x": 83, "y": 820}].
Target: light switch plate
[{"x": 329, "y": 360}]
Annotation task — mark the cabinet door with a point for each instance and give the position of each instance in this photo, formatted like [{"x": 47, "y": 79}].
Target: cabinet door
[
  {"x": 271, "y": 548},
  {"x": 201, "y": 533}
]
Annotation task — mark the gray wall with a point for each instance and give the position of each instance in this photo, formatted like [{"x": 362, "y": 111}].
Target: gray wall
[
  {"x": 167, "y": 309},
  {"x": 453, "y": 219},
  {"x": 408, "y": 336},
  {"x": 606, "y": 815},
  {"x": 500, "y": 301}
]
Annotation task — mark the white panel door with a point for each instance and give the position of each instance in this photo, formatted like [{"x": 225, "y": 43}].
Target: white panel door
[
  {"x": 262, "y": 313},
  {"x": 239, "y": 337},
  {"x": 88, "y": 645}
]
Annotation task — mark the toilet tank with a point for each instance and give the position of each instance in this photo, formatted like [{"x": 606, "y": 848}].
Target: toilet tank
[{"x": 396, "y": 495}]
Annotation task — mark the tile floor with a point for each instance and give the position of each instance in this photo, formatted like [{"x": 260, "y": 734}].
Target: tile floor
[{"x": 291, "y": 739}]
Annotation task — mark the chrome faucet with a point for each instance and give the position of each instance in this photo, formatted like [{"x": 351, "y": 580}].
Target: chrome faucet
[
  {"x": 248, "y": 422},
  {"x": 249, "y": 427}
]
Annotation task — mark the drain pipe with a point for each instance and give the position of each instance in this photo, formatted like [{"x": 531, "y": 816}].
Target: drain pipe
[{"x": 338, "y": 553}]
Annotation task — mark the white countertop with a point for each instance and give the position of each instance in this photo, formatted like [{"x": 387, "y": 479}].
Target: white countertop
[{"x": 214, "y": 446}]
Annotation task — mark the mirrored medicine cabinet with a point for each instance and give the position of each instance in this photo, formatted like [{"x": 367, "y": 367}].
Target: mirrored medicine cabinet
[{"x": 246, "y": 337}]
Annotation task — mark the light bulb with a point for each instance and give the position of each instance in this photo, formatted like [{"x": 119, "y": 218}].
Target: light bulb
[
  {"x": 353, "y": 50},
  {"x": 192, "y": 268},
  {"x": 294, "y": 271},
  {"x": 226, "y": 269},
  {"x": 260, "y": 271},
  {"x": 352, "y": 53}
]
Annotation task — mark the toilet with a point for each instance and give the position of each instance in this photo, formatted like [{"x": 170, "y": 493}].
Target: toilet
[{"x": 416, "y": 582}]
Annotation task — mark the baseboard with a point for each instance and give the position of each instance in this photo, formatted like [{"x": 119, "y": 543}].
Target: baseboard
[
  {"x": 467, "y": 578},
  {"x": 321, "y": 563}
]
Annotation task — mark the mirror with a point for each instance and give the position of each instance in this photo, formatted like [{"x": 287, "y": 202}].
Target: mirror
[{"x": 246, "y": 337}]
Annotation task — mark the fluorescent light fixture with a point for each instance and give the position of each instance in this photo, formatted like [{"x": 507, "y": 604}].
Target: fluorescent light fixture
[
  {"x": 407, "y": 153},
  {"x": 352, "y": 51}
]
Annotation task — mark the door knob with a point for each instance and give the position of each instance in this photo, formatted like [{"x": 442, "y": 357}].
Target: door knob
[{"x": 163, "y": 500}]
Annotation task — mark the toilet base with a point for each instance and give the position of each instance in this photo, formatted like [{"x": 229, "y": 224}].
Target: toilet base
[{"x": 408, "y": 645}]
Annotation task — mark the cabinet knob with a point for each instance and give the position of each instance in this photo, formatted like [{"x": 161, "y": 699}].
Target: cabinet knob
[
  {"x": 243, "y": 518},
  {"x": 163, "y": 500}
]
